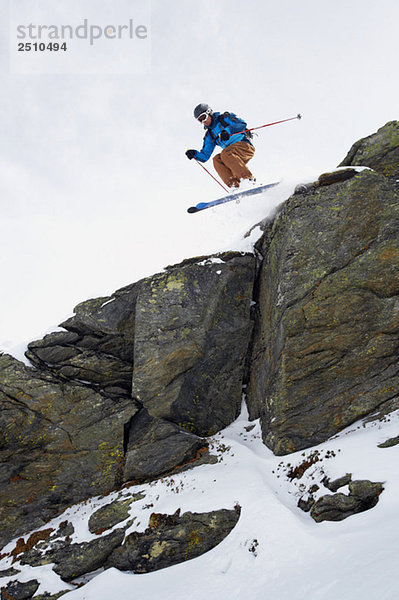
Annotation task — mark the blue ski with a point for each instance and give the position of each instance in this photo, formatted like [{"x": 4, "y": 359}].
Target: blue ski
[{"x": 230, "y": 198}]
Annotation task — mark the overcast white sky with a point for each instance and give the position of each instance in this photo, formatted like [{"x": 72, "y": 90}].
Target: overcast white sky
[{"x": 94, "y": 183}]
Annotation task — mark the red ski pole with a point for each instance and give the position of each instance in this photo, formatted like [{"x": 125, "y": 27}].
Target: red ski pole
[
  {"x": 269, "y": 124},
  {"x": 205, "y": 169}
]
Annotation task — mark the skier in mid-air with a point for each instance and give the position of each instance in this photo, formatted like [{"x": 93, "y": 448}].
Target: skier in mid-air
[{"x": 229, "y": 132}]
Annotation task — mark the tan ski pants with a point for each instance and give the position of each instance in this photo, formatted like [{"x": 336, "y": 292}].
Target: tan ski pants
[{"x": 231, "y": 163}]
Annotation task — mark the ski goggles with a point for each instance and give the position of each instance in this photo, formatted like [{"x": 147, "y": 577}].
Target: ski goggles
[{"x": 202, "y": 117}]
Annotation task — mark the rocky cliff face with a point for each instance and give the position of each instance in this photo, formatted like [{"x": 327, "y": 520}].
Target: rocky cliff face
[
  {"x": 327, "y": 338},
  {"x": 137, "y": 380},
  {"x": 127, "y": 391}
]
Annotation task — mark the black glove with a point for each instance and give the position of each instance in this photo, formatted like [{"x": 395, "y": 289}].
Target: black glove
[
  {"x": 224, "y": 136},
  {"x": 191, "y": 154}
]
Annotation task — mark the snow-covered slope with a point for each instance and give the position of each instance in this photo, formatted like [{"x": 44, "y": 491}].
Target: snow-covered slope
[{"x": 275, "y": 550}]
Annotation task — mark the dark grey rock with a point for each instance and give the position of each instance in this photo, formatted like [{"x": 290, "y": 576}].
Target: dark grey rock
[
  {"x": 326, "y": 322},
  {"x": 64, "y": 442},
  {"x": 16, "y": 590},
  {"x": 88, "y": 366},
  {"x": 192, "y": 333},
  {"x": 157, "y": 447},
  {"x": 43, "y": 554},
  {"x": 366, "y": 491},
  {"x": 394, "y": 441},
  {"x": 335, "y": 507},
  {"x": 109, "y": 319},
  {"x": 9, "y": 572},
  {"x": 379, "y": 151},
  {"x": 109, "y": 515},
  {"x": 98, "y": 346},
  {"x": 75, "y": 560},
  {"x": 384, "y": 409},
  {"x": 171, "y": 539},
  {"x": 56, "y": 339},
  {"x": 65, "y": 529},
  {"x": 363, "y": 495},
  {"x": 306, "y": 503},
  {"x": 334, "y": 485}
]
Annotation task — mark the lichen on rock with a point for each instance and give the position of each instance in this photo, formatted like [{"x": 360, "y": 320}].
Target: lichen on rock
[
  {"x": 193, "y": 329},
  {"x": 171, "y": 539},
  {"x": 327, "y": 322},
  {"x": 379, "y": 151}
]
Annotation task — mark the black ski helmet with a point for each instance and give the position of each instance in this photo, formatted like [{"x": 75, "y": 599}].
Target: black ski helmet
[{"x": 202, "y": 108}]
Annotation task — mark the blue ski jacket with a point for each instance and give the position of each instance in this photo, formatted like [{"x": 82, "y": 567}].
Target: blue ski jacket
[{"x": 226, "y": 121}]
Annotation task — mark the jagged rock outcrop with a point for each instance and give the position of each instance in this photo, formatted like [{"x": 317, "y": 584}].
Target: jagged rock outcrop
[
  {"x": 19, "y": 591},
  {"x": 389, "y": 442},
  {"x": 379, "y": 151},
  {"x": 156, "y": 447},
  {"x": 176, "y": 341},
  {"x": 336, "y": 484},
  {"x": 171, "y": 539},
  {"x": 97, "y": 347},
  {"x": 74, "y": 560},
  {"x": 191, "y": 338},
  {"x": 327, "y": 335},
  {"x": 109, "y": 515},
  {"x": 168, "y": 540},
  {"x": 72, "y": 427},
  {"x": 363, "y": 495},
  {"x": 62, "y": 442}
]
